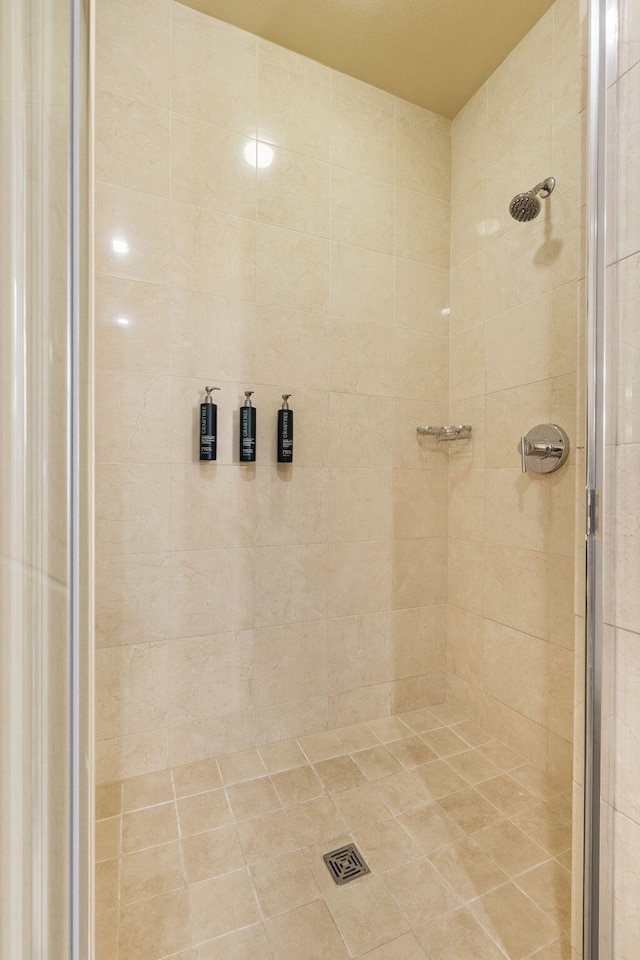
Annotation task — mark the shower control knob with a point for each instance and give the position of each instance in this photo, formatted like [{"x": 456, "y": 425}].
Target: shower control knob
[{"x": 544, "y": 448}]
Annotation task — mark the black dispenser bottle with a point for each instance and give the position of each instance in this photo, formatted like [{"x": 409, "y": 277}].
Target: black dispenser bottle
[
  {"x": 285, "y": 431},
  {"x": 247, "y": 430},
  {"x": 208, "y": 427}
]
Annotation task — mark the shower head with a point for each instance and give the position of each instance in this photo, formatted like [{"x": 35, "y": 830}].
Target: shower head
[{"x": 527, "y": 206}]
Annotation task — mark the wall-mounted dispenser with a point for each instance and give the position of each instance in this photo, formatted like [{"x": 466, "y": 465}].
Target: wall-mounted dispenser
[
  {"x": 247, "y": 430},
  {"x": 285, "y": 431},
  {"x": 208, "y": 427}
]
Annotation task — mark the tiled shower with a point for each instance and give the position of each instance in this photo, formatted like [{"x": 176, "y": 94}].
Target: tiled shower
[{"x": 371, "y": 270}]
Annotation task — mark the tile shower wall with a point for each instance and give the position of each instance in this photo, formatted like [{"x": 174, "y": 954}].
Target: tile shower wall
[
  {"x": 238, "y": 605},
  {"x": 514, "y": 311},
  {"x": 620, "y": 881}
]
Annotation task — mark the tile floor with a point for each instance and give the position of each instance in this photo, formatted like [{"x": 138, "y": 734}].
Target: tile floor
[{"x": 469, "y": 849}]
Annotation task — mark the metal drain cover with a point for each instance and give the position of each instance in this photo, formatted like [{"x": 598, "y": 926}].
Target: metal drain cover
[{"x": 346, "y": 864}]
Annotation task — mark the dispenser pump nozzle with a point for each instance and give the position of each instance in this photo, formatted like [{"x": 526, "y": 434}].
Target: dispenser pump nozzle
[
  {"x": 209, "y": 390},
  {"x": 285, "y": 397},
  {"x": 247, "y": 395}
]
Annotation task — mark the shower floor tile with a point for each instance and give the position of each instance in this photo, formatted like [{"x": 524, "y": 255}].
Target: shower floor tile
[{"x": 467, "y": 842}]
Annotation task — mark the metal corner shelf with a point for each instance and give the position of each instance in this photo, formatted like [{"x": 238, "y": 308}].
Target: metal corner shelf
[{"x": 460, "y": 432}]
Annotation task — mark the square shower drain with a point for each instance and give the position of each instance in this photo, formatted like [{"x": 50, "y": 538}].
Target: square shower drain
[{"x": 346, "y": 864}]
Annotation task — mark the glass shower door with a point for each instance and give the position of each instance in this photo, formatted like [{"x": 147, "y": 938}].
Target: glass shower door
[{"x": 44, "y": 490}]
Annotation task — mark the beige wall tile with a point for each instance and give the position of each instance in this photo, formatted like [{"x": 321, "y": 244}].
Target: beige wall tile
[
  {"x": 213, "y": 82},
  {"x": 122, "y": 31},
  {"x": 134, "y": 509},
  {"x": 420, "y": 368},
  {"x": 289, "y": 663},
  {"x": 292, "y": 348},
  {"x": 226, "y": 514},
  {"x": 134, "y": 410},
  {"x": 212, "y": 737},
  {"x": 210, "y": 676},
  {"x": 362, "y": 210},
  {"x": 360, "y": 358},
  {"x": 419, "y": 504},
  {"x": 131, "y": 756},
  {"x": 209, "y": 591},
  {"x": 132, "y": 598},
  {"x": 361, "y": 432},
  {"x": 419, "y": 636},
  {"x": 290, "y": 584},
  {"x": 359, "y": 577},
  {"x": 360, "y": 505},
  {"x": 294, "y": 192},
  {"x": 132, "y": 234},
  {"x": 131, "y": 686},
  {"x": 292, "y": 269},
  {"x": 362, "y": 285},
  {"x": 423, "y": 158},
  {"x": 422, "y": 228},
  {"x": 132, "y": 144},
  {"x": 422, "y": 295},
  {"x": 212, "y": 252},
  {"x": 291, "y": 505},
  {"x": 363, "y": 131},
  {"x": 359, "y": 651},
  {"x": 209, "y": 167},
  {"x": 360, "y": 704},
  {"x": 294, "y": 101},
  {"x": 132, "y": 326},
  {"x": 212, "y": 338}
]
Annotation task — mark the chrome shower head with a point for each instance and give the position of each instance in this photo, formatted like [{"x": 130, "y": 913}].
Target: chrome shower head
[{"x": 527, "y": 206}]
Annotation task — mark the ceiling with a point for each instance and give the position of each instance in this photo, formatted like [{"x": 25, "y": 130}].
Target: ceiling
[{"x": 435, "y": 53}]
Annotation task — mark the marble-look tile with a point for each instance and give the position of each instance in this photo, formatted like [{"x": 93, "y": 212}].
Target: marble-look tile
[
  {"x": 132, "y": 326},
  {"x": 363, "y": 130},
  {"x": 290, "y": 584},
  {"x": 211, "y": 338},
  {"x": 362, "y": 210},
  {"x": 360, "y": 358},
  {"x": 362, "y": 284},
  {"x": 132, "y": 144},
  {"x": 294, "y": 191},
  {"x": 212, "y": 252},
  {"x": 122, "y": 31},
  {"x": 423, "y": 159},
  {"x": 359, "y": 653},
  {"x": 292, "y": 269},
  {"x": 210, "y": 676},
  {"x": 291, "y": 508},
  {"x": 360, "y": 504},
  {"x": 151, "y": 873},
  {"x": 294, "y": 101},
  {"x": 289, "y": 663},
  {"x": 421, "y": 892},
  {"x": 213, "y": 83},
  {"x": 359, "y": 577},
  {"x": 132, "y": 234},
  {"x": 227, "y": 511},
  {"x": 362, "y": 431},
  {"x": 422, "y": 295},
  {"x": 209, "y": 167},
  {"x": 134, "y": 509},
  {"x": 132, "y": 598},
  {"x": 422, "y": 228},
  {"x": 292, "y": 349},
  {"x": 210, "y": 591}
]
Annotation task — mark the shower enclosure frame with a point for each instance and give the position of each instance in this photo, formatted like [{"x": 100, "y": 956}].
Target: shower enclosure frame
[{"x": 601, "y": 22}]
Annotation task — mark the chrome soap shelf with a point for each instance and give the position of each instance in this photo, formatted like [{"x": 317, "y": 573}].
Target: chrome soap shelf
[{"x": 460, "y": 432}]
